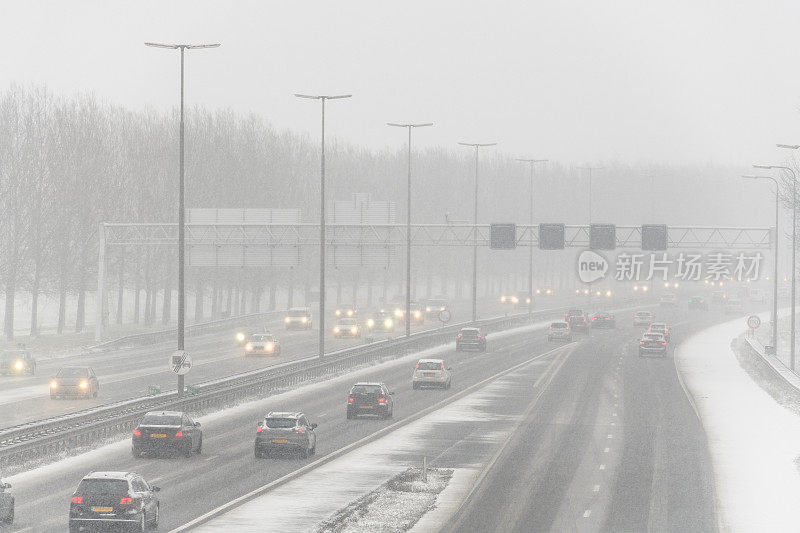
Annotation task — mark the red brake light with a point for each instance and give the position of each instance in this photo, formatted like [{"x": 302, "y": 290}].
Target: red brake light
[
  {"x": 551, "y": 327},
  {"x": 381, "y": 400},
  {"x": 300, "y": 430},
  {"x": 479, "y": 336},
  {"x": 459, "y": 335},
  {"x": 260, "y": 429},
  {"x": 442, "y": 366},
  {"x": 125, "y": 501},
  {"x": 351, "y": 399},
  {"x": 417, "y": 367},
  {"x": 137, "y": 432},
  {"x": 641, "y": 342},
  {"x": 179, "y": 433},
  {"x": 663, "y": 344},
  {"x": 76, "y": 499}
]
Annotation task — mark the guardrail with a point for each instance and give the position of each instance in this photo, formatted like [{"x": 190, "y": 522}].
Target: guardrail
[
  {"x": 777, "y": 366},
  {"x": 55, "y": 436},
  {"x": 192, "y": 330}
]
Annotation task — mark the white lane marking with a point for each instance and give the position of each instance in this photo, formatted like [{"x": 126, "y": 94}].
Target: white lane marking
[
  {"x": 606, "y": 450},
  {"x": 602, "y": 467},
  {"x": 211, "y": 457},
  {"x": 586, "y": 513},
  {"x": 610, "y": 436},
  {"x": 596, "y": 488}
]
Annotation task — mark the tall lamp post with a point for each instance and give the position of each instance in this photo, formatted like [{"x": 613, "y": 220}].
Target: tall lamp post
[
  {"x": 409, "y": 127},
  {"x": 775, "y": 260},
  {"x": 531, "y": 163},
  {"x": 590, "y": 170},
  {"x": 475, "y": 233},
  {"x": 181, "y": 207},
  {"x": 321, "y": 318}
]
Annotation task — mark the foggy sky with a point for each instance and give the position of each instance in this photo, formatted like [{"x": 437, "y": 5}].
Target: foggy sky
[{"x": 575, "y": 81}]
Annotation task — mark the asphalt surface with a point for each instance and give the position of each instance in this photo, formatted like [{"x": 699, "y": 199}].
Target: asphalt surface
[
  {"x": 613, "y": 445},
  {"x": 127, "y": 373},
  {"x": 227, "y": 469}
]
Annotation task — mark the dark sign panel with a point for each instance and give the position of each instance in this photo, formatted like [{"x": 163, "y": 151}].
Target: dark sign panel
[
  {"x": 602, "y": 236},
  {"x": 654, "y": 237},
  {"x": 551, "y": 236},
  {"x": 503, "y": 236}
]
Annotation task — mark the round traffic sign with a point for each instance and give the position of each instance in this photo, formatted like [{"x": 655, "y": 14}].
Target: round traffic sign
[
  {"x": 753, "y": 322},
  {"x": 444, "y": 315},
  {"x": 180, "y": 362}
]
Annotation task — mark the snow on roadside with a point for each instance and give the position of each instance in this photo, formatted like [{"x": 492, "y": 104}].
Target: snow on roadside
[{"x": 754, "y": 442}]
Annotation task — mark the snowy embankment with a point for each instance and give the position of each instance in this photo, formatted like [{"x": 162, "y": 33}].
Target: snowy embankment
[{"x": 754, "y": 441}]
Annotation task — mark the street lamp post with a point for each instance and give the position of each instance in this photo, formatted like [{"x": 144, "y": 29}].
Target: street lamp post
[
  {"x": 531, "y": 163},
  {"x": 408, "y": 223},
  {"x": 590, "y": 169},
  {"x": 793, "y": 327},
  {"x": 475, "y": 233},
  {"x": 181, "y": 206},
  {"x": 775, "y": 260},
  {"x": 321, "y": 318}
]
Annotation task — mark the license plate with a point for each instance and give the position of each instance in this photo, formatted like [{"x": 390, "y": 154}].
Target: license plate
[
  {"x": 429, "y": 374},
  {"x": 366, "y": 407},
  {"x": 158, "y": 435},
  {"x": 280, "y": 441},
  {"x": 100, "y": 509}
]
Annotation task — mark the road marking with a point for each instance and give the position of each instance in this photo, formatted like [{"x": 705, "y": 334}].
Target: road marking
[
  {"x": 602, "y": 467},
  {"x": 586, "y": 513},
  {"x": 609, "y": 436},
  {"x": 596, "y": 488},
  {"x": 211, "y": 457},
  {"x": 615, "y": 414},
  {"x": 606, "y": 450}
]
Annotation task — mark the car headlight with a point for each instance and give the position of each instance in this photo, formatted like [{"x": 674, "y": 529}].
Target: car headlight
[
  {"x": 248, "y": 347},
  {"x": 514, "y": 299},
  {"x": 304, "y": 320},
  {"x": 19, "y": 365},
  {"x": 387, "y": 322},
  {"x": 354, "y": 330},
  {"x": 428, "y": 309},
  {"x": 270, "y": 347},
  {"x": 83, "y": 384},
  {"x": 549, "y": 291},
  {"x": 349, "y": 312},
  {"x": 398, "y": 313},
  {"x": 527, "y": 300},
  {"x": 336, "y": 329},
  {"x": 370, "y": 322},
  {"x": 338, "y": 313},
  {"x": 240, "y": 337},
  {"x": 54, "y": 384},
  {"x": 417, "y": 314},
  {"x": 287, "y": 320},
  {"x": 502, "y": 299}
]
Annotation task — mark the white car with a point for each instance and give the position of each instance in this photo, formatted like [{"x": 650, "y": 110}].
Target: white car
[
  {"x": 431, "y": 373},
  {"x": 559, "y": 331},
  {"x": 298, "y": 318},
  {"x": 643, "y": 318}
]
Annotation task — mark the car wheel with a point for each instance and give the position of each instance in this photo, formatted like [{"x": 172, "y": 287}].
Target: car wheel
[
  {"x": 154, "y": 523},
  {"x": 73, "y": 528},
  {"x": 9, "y": 519},
  {"x": 141, "y": 527},
  {"x": 415, "y": 386},
  {"x": 304, "y": 453},
  {"x": 257, "y": 453},
  {"x": 187, "y": 451},
  {"x": 135, "y": 452},
  {"x": 349, "y": 415},
  {"x": 200, "y": 446}
]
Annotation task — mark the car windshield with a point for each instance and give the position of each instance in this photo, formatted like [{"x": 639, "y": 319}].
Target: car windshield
[
  {"x": 298, "y": 312},
  {"x": 280, "y": 423},
  {"x": 366, "y": 389},
  {"x": 430, "y": 365},
  {"x": 347, "y": 322},
  {"x": 161, "y": 420},
  {"x": 653, "y": 337},
  {"x": 73, "y": 373},
  {"x": 261, "y": 338},
  {"x": 112, "y": 487}
]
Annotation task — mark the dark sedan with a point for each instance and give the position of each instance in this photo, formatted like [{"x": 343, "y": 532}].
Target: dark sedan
[
  {"x": 167, "y": 431},
  {"x": 74, "y": 381},
  {"x": 370, "y": 399},
  {"x": 698, "y": 302},
  {"x": 470, "y": 338},
  {"x": 603, "y": 320}
]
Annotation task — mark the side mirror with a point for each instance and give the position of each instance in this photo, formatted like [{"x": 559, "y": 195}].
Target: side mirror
[
  {"x": 449, "y": 368},
  {"x": 197, "y": 424},
  {"x": 6, "y": 485},
  {"x": 313, "y": 426},
  {"x": 391, "y": 393},
  {"x": 156, "y": 489}
]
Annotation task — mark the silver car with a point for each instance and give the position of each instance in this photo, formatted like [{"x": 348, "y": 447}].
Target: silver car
[
  {"x": 285, "y": 431},
  {"x": 559, "y": 331},
  {"x": 6, "y": 504},
  {"x": 653, "y": 343},
  {"x": 431, "y": 373}
]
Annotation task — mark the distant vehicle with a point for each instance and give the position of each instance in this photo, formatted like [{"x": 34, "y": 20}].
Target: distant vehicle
[
  {"x": 285, "y": 431},
  {"x": 398, "y": 311},
  {"x": 470, "y": 338},
  {"x": 298, "y": 318},
  {"x": 718, "y": 297},
  {"x": 643, "y": 318},
  {"x": 348, "y": 311},
  {"x": 111, "y": 499},
  {"x": 370, "y": 399},
  {"x": 559, "y": 331},
  {"x": 659, "y": 327},
  {"x": 433, "y": 307},
  {"x": 17, "y": 362},
  {"x": 77, "y": 381},
  {"x": 347, "y": 327},
  {"x": 417, "y": 313},
  {"x": 381, "y": 321},
  {"x": 668, "y": 300},
  {"x": 6, "y": 504},
  {"x": 733, "y": 305},
  {"x": 603, "y": 319},
  {"x": 241, "y": 337},
  {"x": 576, "y": 319},
  {"x": 512, "y": 299},
  {"x": 698, "y": 302},
  {"x": 431, "y": 372},
  {"x": 262, "y": 343},
  {"x": 653, "y": 343},
  {"x": 167, "y": 431}
]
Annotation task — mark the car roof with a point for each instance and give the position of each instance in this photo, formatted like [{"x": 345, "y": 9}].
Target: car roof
[
  {"x": 119, "y": 475},
  {"x": 75, "y": 367},
  {"x": 470, "y": 329},
  {"x": 164, "y": 413},
  {"x": 431, "y": 361},
  {"x": 658, "y": 324},
  {"x": 653, "y": 333},
  {"x": 283, "y": 414},
  {"x": 560, "y": 322},
  {"x": 367, "y": 383}
]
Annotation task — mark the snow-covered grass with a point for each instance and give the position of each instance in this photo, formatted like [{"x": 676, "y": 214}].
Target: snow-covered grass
[{"x": 394, "y": 507}]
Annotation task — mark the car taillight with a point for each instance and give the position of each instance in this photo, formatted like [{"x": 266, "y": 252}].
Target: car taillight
[
  {"x": 641, "y": 342},
  {"x": 125, "y": 501},
  {"x": 137, "y": 432},
  {"x": 76, "y": 499},
  {"x": 381, "y": 400},
  {"x": 417, "y": 367},
  {"x": 260, "y": 429},
  {"x": 608, "y": 318},
  {"x": 663, "y": 344},
  {"x": 300, "y": 430},
  {"x": 179, "y": 433},
  {"x": 351, "y": 399},
  {"x": 479, "y": 336},
  {"x": 551, "y": 327},
  {"x": 459, "y": 335},
  {"x": 442, "y": 367}
]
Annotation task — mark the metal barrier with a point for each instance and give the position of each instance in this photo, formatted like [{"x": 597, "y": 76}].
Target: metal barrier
[{"x": 55, "y": 436}]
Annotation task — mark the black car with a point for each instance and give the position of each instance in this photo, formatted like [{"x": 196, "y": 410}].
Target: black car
[
  {"x": 17, "y": 362},
  {"x": 106, "y": 500},
  {"x": 167, "y": 431},
  {"x": 6, "y": 504},
  {"x": 576, "y": 319},
  {"x": 603, "y": 320},
  {"x": 76, "y": 381},
  {"x": 381, "y": 321},
  {"x": 470, "y": 338},
  {"x": 698, "y": 302},
  {"x": 370, "y": 399}
]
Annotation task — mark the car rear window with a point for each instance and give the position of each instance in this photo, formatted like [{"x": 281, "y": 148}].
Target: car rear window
[
  {"x": 72, "y": 373},
  {"x": 469, "y": 332},
  {"x": 430, "y": 366},
  {"x": 366, "y": 389},
  {"x": 281, "y": 423},
  {"x": 652, "y": 337},
  {"x": 161, "y": 420},
  {"x": 103, "y": 486},
  {"x": 559, "y": 325}
]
